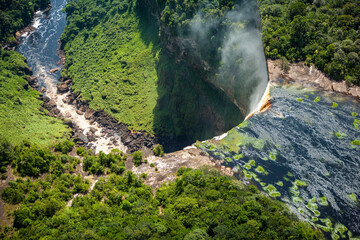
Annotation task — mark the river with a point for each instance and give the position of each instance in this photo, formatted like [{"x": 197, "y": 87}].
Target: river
[
  {"x": 302, "y": 151},
  {"x": 40, "y": 49}
]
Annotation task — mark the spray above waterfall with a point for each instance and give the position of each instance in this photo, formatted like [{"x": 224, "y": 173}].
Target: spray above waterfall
[{"x": 241, "y": 70}]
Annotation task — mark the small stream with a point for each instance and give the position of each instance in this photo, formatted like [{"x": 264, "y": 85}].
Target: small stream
[{"x": 40, "y": 48}]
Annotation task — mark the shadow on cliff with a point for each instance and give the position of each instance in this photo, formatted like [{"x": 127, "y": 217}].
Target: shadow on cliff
[{"x": 189, "y": 108}]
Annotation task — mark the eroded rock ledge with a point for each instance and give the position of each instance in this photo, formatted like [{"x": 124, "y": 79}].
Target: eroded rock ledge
[{"x": 309, "y": 76}]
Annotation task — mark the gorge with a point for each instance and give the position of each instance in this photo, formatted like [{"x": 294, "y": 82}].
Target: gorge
[{"x": 138, "y": 73}]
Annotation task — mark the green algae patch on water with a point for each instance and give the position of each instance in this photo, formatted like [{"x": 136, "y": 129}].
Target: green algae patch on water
[
  {"x": 300, "y": 183},
  {"x": 247, "y": 166},
  {"x": 340, "y": 135},
  {"x": 280, "y": 183},
  {"x": 294, "y": 190},
  {"x": 317, "y": 99},
  {"x": 238, "y": 156},
  {"x": 261, "y": 170},
  {"x": 354, "y": 114},
  {"x": 314, "y": 219},
  {"x": 323, "y": 201},
  {"x": 335, "y": 236},
  {"x": 299, "y": 99},
  {"x": 307, "y": 96},
  {"x": 252, "y": 163},
  {"x": 334, "y": 105},
  {"x": 273, "y": 192},
  {"x": 289, "y": 174},
  {"x": 327, "y": 222},
  {"x": 297, "y": 199},
  {"x": 352, "y": 197},
  {"x": 356, "y": 124},
  {"x": 356, "y": 142},
  {"x": 313, "y": 208},
  {"x": 235, "y": 140},
  {"x": 272, "y": 156},
  {"x": 228, "y": 159},
  {"x": 340, "y": 228},
  {"x": 247, "y": 174},
  {"x": 254, "y": 176}
]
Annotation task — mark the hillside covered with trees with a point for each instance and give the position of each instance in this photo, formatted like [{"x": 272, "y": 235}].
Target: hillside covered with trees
[
  {"x": 325, "y": 33},
  {"x": 200, "y": 204},
  {"x": 17, "y": 14}
]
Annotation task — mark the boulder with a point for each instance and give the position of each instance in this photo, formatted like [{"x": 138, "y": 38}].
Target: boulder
[
  {"x": 339, "y": 87},
  {"x": 355, "y": 91},
  {"x": 79, "y": 112},
  {"x": 62, "y": 88},
  {"x": 54, "y": 70},
  {"x": 89, "y": 113}
]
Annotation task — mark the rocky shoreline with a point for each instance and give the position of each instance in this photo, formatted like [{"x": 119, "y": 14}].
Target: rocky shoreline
[{"x": 309, "y": 76}]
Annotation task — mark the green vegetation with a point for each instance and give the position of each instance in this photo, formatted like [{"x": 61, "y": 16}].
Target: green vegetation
[
  {"x": 97, "y": 164},
  {"x": 116, "y": 58},
  {"x": 17, "y": 14},
  {"x": 22, "y": 117},
  {"x": 200, "y": 203},
  {"x": 325, "y": 33},
  {"x": 137, "y": 158},
  {"x": 111, "y": 61},
  {"x": 158, "y": 150}
]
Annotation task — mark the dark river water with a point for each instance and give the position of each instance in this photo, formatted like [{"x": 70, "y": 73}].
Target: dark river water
[{"x": 302, "y": 151}]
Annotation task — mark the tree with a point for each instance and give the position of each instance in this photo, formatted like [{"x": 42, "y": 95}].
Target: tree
[
  {"x": 297, "y": 8},
  {"x": 137, "y": 158}
]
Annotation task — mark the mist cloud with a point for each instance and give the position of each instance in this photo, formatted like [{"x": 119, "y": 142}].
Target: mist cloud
[{"x": 242, "y": 72}]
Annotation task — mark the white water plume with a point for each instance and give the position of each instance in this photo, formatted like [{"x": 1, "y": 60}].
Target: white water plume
[
  {"x": 101, "y": 143},
  {"x": 242, "y": 72}
]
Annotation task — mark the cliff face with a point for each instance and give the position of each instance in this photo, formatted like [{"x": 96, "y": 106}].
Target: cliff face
[
  {"x": 225, "y": 48},
  {"x": 184, "y": 73}
]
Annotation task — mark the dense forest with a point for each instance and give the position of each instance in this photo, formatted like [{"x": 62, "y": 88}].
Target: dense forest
[
  {"x": 17, "y": 14},
  {"x": 325, "y": 33},
  {"x": 200, "y": 204},
  {"x": 22, "y": 116}
]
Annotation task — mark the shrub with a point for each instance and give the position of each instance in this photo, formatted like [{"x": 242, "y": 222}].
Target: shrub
[
  {"x": 64, "y": 147},
  {"x": 12, "y": 196},
  {"x": 158, "y": 150},
  {"x": 137, "y": 158},
  {"x": 80, "y": 151}
]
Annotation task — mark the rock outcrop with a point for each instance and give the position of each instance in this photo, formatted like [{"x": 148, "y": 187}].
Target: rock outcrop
[{"x": 309, "y": 76}]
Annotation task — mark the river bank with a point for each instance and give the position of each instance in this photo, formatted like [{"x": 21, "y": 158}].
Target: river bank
[{"x": 309, "y": 77}]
